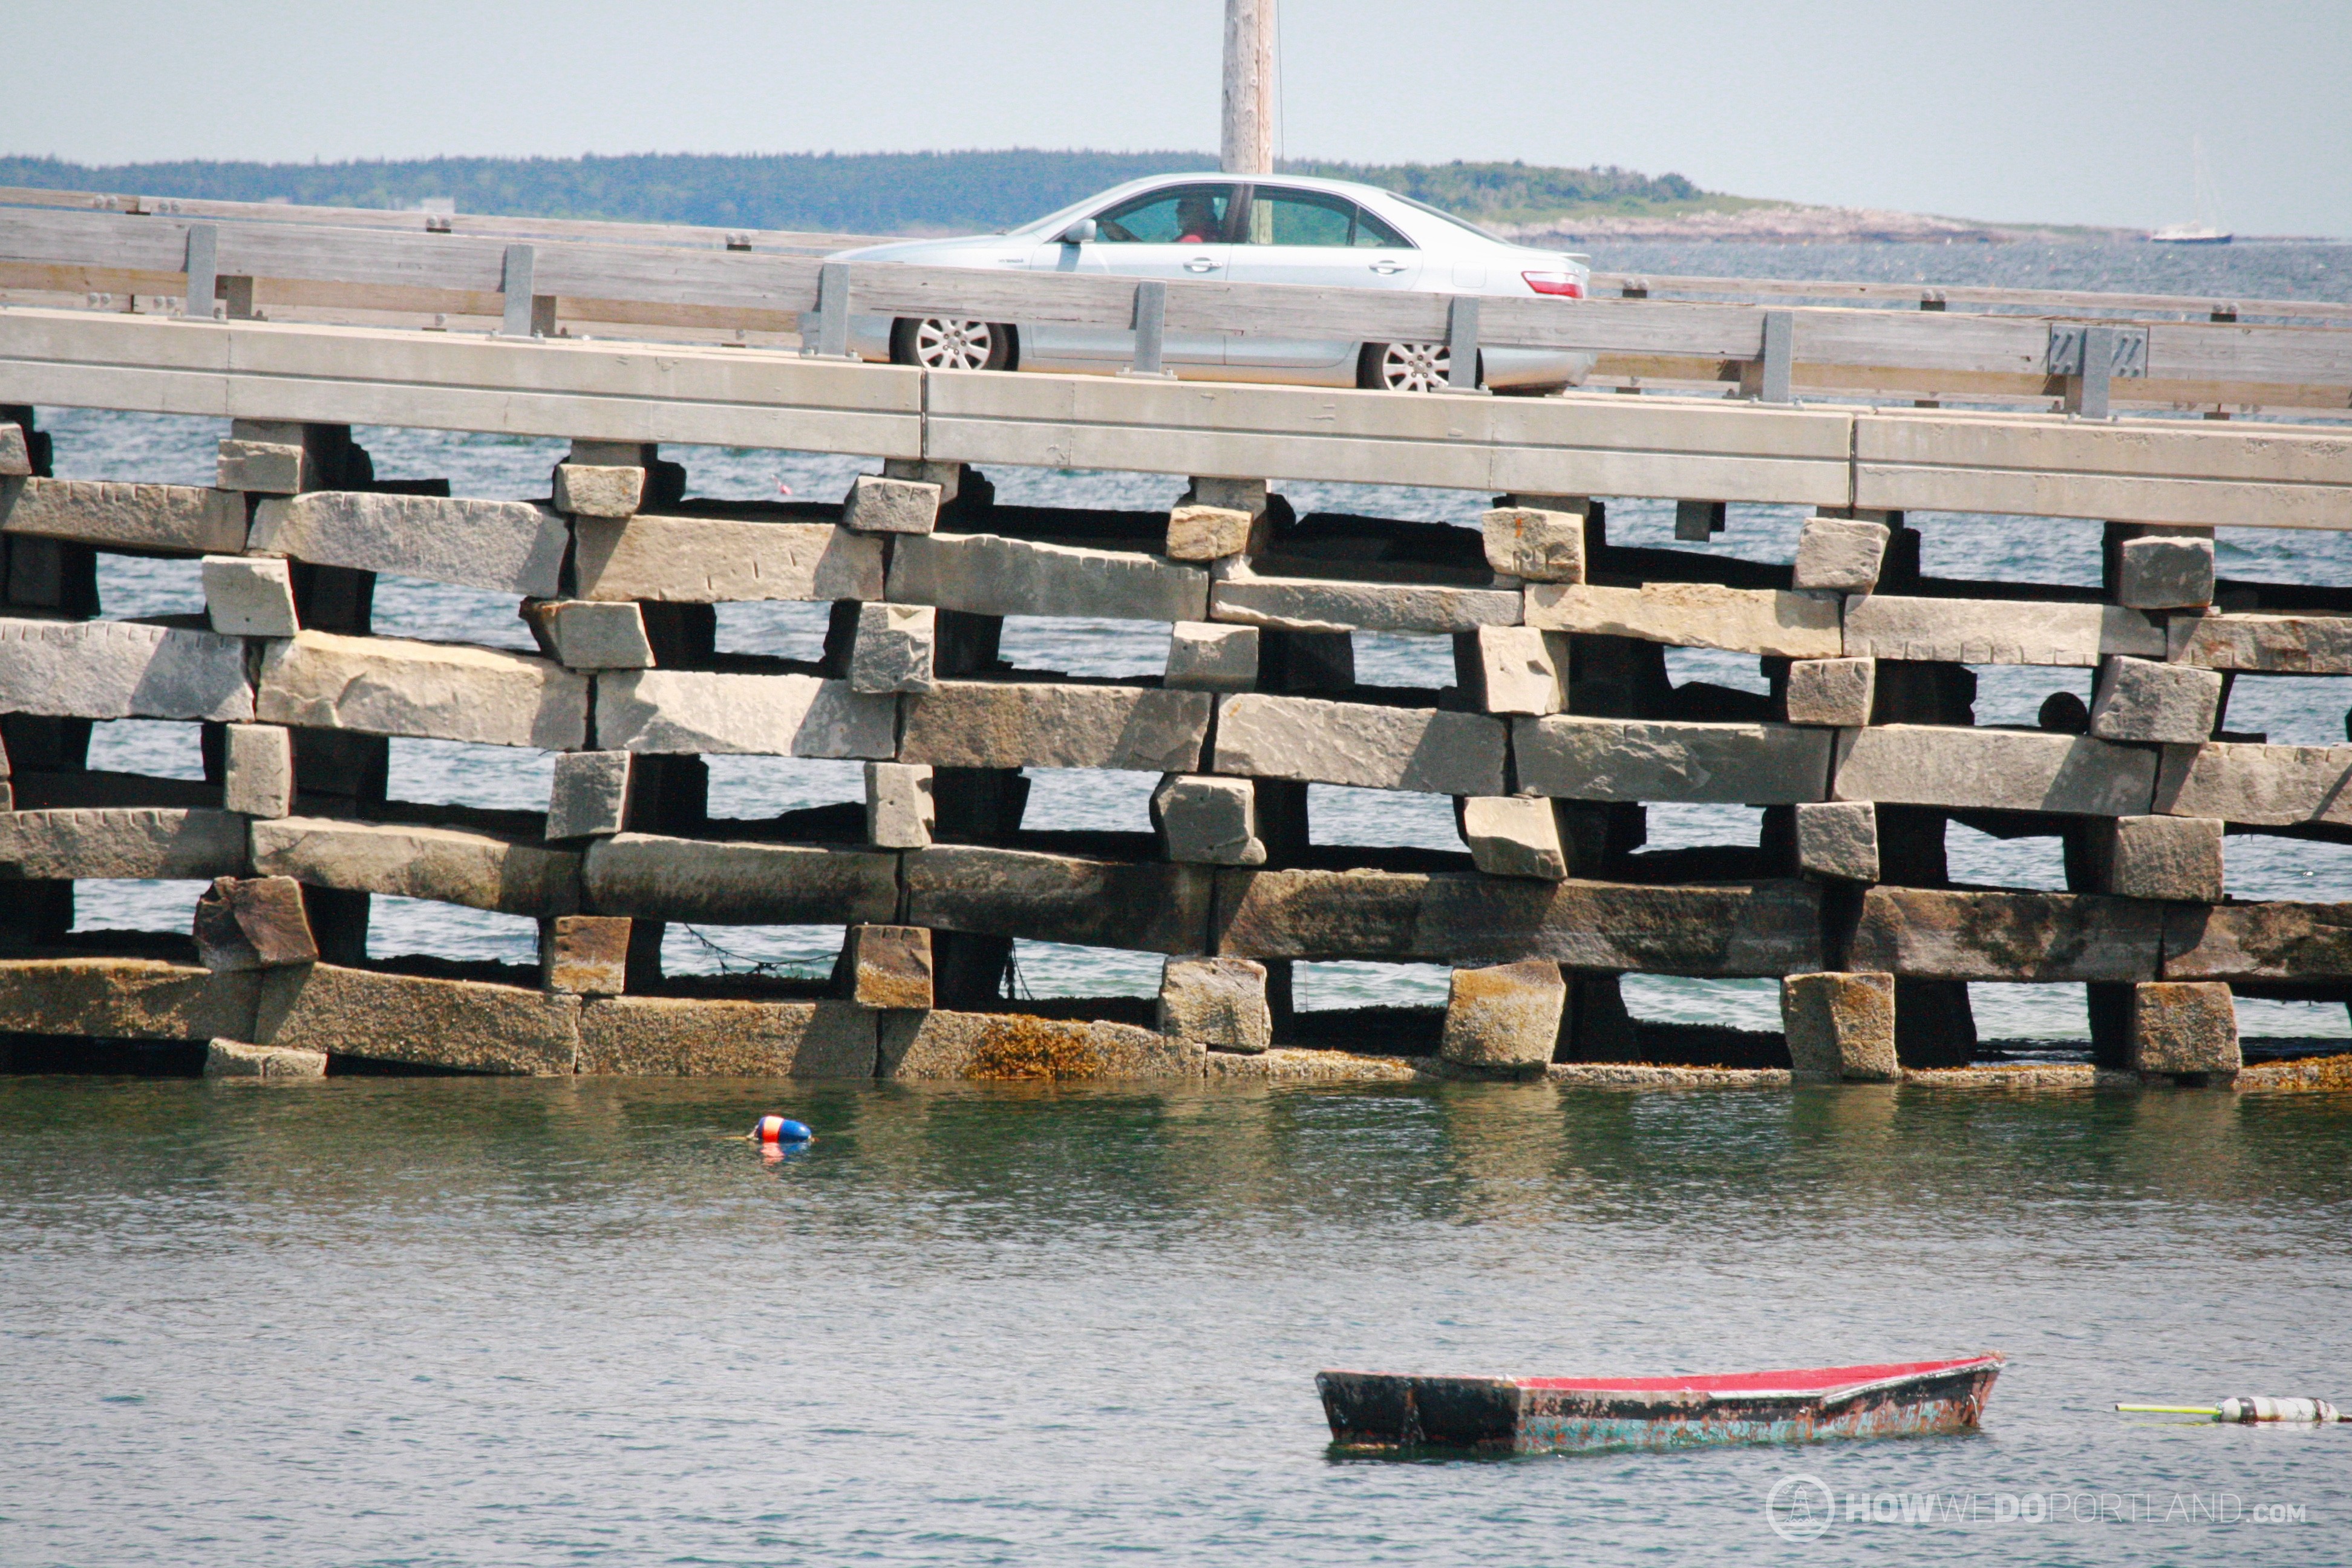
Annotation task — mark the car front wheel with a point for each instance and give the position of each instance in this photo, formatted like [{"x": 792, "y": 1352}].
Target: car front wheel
[
  {"x": 1404, "y": 367},
  {"x": 939, "y": 343}
]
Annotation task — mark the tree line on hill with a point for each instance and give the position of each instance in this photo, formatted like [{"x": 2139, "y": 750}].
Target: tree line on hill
[{"x": 853, "y": 192}]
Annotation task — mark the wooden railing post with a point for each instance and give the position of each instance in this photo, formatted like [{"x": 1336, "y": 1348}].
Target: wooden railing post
[
  {"x": 1151, "y": 327},
  {"x": 514, "y": 285},
  {"x": 832, "y": 313},
  {"x": 1462, "y": 344},
  {"x": 204, "y": 269}
]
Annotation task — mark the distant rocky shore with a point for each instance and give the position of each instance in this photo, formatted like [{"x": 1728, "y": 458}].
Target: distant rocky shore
[{"x": 1769, "y": 223}]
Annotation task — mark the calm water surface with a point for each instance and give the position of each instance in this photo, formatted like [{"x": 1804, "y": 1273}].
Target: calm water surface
[{"x": 418, "y": 1321}]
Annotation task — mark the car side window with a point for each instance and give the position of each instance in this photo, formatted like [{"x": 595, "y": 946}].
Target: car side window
[
  {"x": 1299, "y": 217},
  {"x": 1180, "y": 215},
  {"x": 1373, "y": 234}
]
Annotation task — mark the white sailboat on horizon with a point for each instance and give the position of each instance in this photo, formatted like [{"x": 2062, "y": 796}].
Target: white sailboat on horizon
[{"x": 2205, "y": 230}]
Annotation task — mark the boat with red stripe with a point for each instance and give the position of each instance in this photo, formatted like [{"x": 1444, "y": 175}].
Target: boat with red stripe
[{"x": 1374, "y": 1411}]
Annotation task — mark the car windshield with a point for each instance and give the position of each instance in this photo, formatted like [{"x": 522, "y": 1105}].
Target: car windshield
[{"x": 1449, "y": 217}]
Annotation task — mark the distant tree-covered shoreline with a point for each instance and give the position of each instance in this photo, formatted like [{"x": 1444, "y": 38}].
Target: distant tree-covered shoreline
[{"x": 853, "y": 192}]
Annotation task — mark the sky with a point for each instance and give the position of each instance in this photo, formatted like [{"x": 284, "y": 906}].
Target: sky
[{"x": 2057, "y": 111}]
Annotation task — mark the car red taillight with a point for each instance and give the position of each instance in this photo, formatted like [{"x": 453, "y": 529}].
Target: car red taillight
[{"x": 1564, "y": 284}]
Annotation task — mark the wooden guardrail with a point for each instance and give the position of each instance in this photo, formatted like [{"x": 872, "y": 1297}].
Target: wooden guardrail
[
  {"x": 1774, "y": 354},
  {"x": 1932, "y": 297},
  {"x": 491, "y": 225}
]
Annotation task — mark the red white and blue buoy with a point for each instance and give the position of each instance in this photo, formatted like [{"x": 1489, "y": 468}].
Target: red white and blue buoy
[{"x": 771, "y": 1131}]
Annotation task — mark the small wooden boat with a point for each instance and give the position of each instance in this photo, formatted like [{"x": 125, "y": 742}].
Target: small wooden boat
[{"x": 1375, "y": 1411}]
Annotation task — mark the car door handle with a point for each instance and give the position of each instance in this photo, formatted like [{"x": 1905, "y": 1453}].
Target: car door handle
[
  {"x": 1384, "y": 267},
  {"x": 1201, "y": 263}
]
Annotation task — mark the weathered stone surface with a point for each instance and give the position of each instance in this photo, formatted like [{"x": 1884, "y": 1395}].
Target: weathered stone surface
[
  {"x": 2267, "y": 785},
  {"x": 2258, "y": 941},
  {"x": 1229, "y": 494},
  {"x": 1512, "y": 669},
  {"x": 1838, "y": 840},
  {"x": 1997, "y": 631},
  {"x": 769, "y": 715},
  {"x": 259, "y": 779},
  {"x": 678, "y": 1036},
  {"x": 1218, "y": 1002},
  {"x": 991, "y": 575},
  {"x": 1638, "y": 760},
  {"x": 1836, "y": 692},
  {"x": 985, "y": 1046},
  {"x": 592, "y": 634},
  {"x": 1208, "y": 821},
  {"x": 462, "y": 1024},
  {"x": 947, "y": 477},
  {"x": 1938, "y": 934},
  {"x": 266, "y": 467},
  {"x": 2277, "y": 645},
  {"x": 584, "y": 955},
  {"x": 2165, "y": 572},
  {"x": 233, "y": 1059},
  {"x": 1152, "y": 907},
  {"x": 590, "y": 452},
  {"x": 253, "y": 923},
  {"x": 1207, "y": 533},
  {"x": 660, "y": 879},
  {"x": 2172, "y": 858},
  {"x": 1514, "y": 836},
  {"x": 589, "y": 794},
  {"x": 16, "y": 453},
  {"x": 897, "y": 649},
  {"x": 249, "y": 596},
  {"x": 1357, "y": 743},
  {"x": 1841, "y": 555},
  {"x": 181, "y": 519},
  {"x": 1320, "y": 605},
  {"x": 1840, "y": 1027},
  {"x": 2006, "y": 770},
  {"x": 599, "y": 490},
  {"x": 389, "y": 686},
  {"x": 889, "y": 966},
  {"x": 443, "y": 864},
  {"x": 1535, "y": 545},
  {"x": 886, "y": 505},
  {"x": 899, "y": 809},
  {"x": 1695, "y": 615},
  {"x": 2138, "y": 699},
  {"x": 1291, "y": 1066},
  {"x": 507, "y": 546},
  {"x": 123, "y": 842},
  {"x": 121, "y": 670},
  {"x": 2185, "y": 1028},
  {"x": 124, "y": 999},
  {"x": 709, "y": 559},
  {"x": 1012, "y": 725},
  {"x": 1507, "y": 1015},
  {"x": 1205, "y": 657},
  {"x": 1772, "y": 928}
]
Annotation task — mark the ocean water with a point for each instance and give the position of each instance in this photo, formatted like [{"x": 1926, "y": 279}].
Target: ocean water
[{"x": 516, "y": 1323}]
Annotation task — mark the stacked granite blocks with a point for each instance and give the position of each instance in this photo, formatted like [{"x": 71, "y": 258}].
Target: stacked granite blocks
[{"x": 1561, "y": 725}]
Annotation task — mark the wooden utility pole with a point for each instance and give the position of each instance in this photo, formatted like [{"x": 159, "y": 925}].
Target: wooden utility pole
[{"x": 1248, "y": 142}]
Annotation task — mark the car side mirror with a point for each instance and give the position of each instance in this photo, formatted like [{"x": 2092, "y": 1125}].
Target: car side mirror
[{"x": 1080, "y": 233}]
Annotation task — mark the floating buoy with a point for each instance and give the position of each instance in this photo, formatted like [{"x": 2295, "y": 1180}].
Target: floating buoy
[
  {"x": 2247, "y": 1411},
  {"x": 773, "y": 1129}
]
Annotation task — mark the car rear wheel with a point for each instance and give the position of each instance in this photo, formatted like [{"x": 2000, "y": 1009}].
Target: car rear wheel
[
  {"x": 941, "y": 342},
  {"x": 1404, "y": 367}
]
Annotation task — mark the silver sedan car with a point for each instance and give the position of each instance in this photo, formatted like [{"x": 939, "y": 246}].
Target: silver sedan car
[{"x": 1253, "y": 230}]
